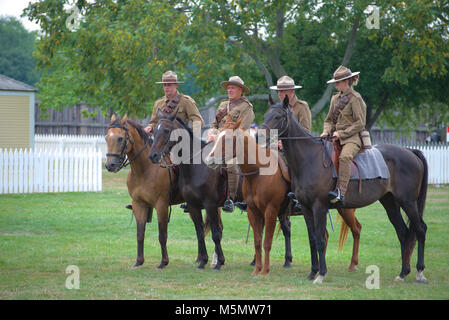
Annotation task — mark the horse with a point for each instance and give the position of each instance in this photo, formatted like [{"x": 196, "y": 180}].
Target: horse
[
  {"x": 266, "y": 194},
  {"x": 200, "y": 186},
  {"x": 148, "y": 184},
  {"x": 405, "y": 188}
]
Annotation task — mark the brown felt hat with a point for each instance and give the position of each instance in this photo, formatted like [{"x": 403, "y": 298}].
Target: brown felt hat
[
  {"x": 235, "y": 80},
  {"x": 342, "y": 73},
  {"x": 170, "y": 77}
]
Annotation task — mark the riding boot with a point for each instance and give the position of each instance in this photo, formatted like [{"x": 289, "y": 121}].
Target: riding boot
[
  {"x": 228, "y": 205},
  {"x": 233, "y": 181},
  {"x": 241, "y": 205},
  {"x": 297, "y": 207},
  {"x": 336, "y": 197}
]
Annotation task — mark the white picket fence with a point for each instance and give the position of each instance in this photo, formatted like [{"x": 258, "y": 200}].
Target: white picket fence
[
  {"x": 54, "y": 170},
  {"x": 53, "y": 141},
  {"x": 437, "y": 157}
]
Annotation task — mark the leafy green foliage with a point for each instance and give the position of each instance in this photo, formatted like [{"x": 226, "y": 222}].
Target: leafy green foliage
[{"x": 16, "y": 47}]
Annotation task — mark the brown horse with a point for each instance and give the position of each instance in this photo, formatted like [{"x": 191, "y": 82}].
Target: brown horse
[
  {"x": 148, "y": 184},
  {"x": 265, "y": 194},
  {"x": 405, "y": 188}
]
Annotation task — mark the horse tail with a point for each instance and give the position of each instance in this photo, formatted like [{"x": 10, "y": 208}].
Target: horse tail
[
  {"x": 423, "y": 191},
  {"x": 344, "y": 228}
]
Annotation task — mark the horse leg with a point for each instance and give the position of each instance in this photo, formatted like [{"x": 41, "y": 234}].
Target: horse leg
[
  {"x": 256, "y": 222},
  {"x": 418, "y": 229},
  {"x": 350, "y": 220},
  {"x": 286, "y": 230},
  {"x": 197, "y": 218},
  {"x": 308, "y": 217},
  {"x": 162, "y": 218},
  {"x": 404, "y": 235},
  {"x": 319, "y": 219},
  {"x": 140, "y": 213},
  {"x": 270, "y": 226},
  {"x": 216, "y": 228}
]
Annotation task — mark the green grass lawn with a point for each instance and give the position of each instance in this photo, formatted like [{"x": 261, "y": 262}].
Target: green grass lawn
[{"x": 42, "y": 234}]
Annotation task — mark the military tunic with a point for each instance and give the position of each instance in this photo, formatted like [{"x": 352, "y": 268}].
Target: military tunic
[
  {"x": 301, "y": 112},
  {"x": 239, "y": 109},
  {"x": 187, "y": 109},
  {"x": 348, "y": 122}
]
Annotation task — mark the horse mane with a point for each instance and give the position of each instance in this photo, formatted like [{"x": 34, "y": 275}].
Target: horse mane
[
  {"x": 139, "y": 128},
  {"x": 301, "y": 128},
  {"x": 190, "y": 131}
]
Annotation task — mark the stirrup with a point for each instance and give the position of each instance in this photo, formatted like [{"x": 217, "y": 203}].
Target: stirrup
[
  {"x": 335, "y": 197},
  {"x": 228, "y": 206},
  {"x": 297, "y": 208}
]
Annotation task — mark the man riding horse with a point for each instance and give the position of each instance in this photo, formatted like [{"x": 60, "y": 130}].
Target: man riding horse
[
  {"x": 345, "y": 120},
  {"x": 286, "y": 87},
  {"x": 239, "y": 108},
  {"x": 174, "y": 101}
]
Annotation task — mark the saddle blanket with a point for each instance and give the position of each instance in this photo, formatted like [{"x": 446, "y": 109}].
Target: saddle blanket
[{"x": 372, "y": 165}]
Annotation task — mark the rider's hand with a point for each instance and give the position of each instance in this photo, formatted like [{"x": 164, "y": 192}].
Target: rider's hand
[
  {"x": 148, "y": 129},
  {"x": 324, "y": 134},
  {"x": 280, "y": 145},
  {"x": 336, "y": 135}
]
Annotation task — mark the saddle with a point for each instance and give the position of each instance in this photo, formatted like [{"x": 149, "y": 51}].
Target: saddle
[{"x": 367, "y": 164}]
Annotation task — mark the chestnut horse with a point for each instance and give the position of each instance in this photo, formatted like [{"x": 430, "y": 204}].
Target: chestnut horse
[
  {"x": 265, "y": 194},
  {"x": 148, "y": 184},
  {"x": 405, "y": 188}
]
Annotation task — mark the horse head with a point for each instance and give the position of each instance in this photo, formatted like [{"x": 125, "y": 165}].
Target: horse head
[
  {"x": 162, "y": 143},
  {"x": 119, "y": 143}
]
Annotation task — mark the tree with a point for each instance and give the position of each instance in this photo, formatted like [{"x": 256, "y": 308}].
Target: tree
[
  {"x": 16, "y": 51},
  {"x": 122, "y": 48}
]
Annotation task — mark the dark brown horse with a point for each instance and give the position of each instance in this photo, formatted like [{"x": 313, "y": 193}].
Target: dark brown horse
[
  {"x": 406, "y": 188},
  {"x": 148, "y": 184},
  {"x": 200, "y": 186},
  {"x": 266, "y": 194}
]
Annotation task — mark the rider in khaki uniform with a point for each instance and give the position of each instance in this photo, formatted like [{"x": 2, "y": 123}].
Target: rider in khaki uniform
[
  {"x": 172, "y": 101},
  {"x": 239, "y": 108},
  {"x": 345, "y": 120},
  {"x": 286, "y": 87}
]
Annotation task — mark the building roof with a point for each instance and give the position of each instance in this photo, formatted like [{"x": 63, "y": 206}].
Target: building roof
[{"x": 9, "y": 84}]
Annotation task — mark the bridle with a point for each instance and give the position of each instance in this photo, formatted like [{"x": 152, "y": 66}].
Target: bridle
[{"x": 124, "y": 161}]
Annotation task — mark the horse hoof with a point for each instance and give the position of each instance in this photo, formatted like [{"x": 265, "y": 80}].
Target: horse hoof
[
  {"x": 398, "y": 278},
  {"x": 136, "y": 266},
  {"x": 287, "y": 265},
  {"x": 318, "y": 280},
  {"x": 420, "y": 278},
  {"x": 253, "y": 263},
  {"x": 162, "y": 265},
  {"x": 352, "y": 269}
]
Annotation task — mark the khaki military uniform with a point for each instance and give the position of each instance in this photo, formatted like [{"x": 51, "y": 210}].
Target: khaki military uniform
[
  {"x": 239, "y": 109},
  {"x": 348, "y": 123},
  {"x": 301, "y": 112},
  {"x": 187, "y": 109}
]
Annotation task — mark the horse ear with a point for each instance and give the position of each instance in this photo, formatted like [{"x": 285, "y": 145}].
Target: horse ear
[
  {"x": 173, "y": 116},
  {"x": 125, "y": 118},
  {"x": 114, "y": 117},
  {"x": 270, "y": 99},
  {"x": 285, "y": 102}
]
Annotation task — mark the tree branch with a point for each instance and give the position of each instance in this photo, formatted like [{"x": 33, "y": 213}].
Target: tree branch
[{"x": 346, "y": 58}]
